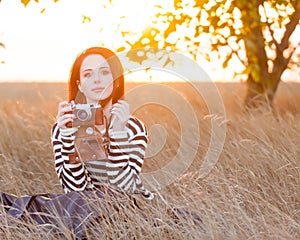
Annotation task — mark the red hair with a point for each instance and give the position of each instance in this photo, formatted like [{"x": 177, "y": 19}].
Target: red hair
[{"x": 115, "y": 67}]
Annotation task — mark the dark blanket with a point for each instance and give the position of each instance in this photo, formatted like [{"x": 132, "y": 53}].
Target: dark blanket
[
  {"x": 74, "y": 211},
  {"x": 77, "y": 212}
]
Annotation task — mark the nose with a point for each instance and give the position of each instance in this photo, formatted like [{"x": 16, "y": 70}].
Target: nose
[
  {"x": 96, "y": 76},
  {"x": 97, "y": 80}
]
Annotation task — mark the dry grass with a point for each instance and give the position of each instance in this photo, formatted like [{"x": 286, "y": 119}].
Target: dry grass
[{"x": 252, "y": 193}]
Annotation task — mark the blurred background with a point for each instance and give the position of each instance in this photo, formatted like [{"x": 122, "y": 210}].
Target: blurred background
[{"x": 41, "y": 38}]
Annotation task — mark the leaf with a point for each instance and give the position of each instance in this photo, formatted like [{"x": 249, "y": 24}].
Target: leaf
[
  {"x": 255, "y": 73},
  {"x": 205, "y": 29},
  {"x": 85, "y": 19},
  {"x": 253, "y": 70},
  {"x": 214, "y": 46},
  {"x": 214, "y": 21},
  {"x": 120, "y": 49},
  {"x": 158, "y": 6},
  {"x": 171, "y": 28},
  {"x": 25, "y": 2},
  {"x": 137, "y": 56},
  {"x": 168, "y": 61},
  {"x": 200, "y": 3},
  {"x": 207, "y": 57},
  {"x": 225, "y": 63}
]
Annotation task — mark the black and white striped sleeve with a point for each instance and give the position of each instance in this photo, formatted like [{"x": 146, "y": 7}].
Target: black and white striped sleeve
[
  {"x": 126, "y": 157},
  {"x": 71, "y": 176}
]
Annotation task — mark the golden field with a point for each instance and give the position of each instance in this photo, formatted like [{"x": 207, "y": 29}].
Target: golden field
[{"x": 253, "y": 191}]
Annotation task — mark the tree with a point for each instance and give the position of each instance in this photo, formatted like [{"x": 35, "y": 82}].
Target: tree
[
  {"x": 247, "y": 30},
  {"x": 256, "y": 33}
]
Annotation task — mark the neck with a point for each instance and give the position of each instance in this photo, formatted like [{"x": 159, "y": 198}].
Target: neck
[{"x": 107, "y": 109}]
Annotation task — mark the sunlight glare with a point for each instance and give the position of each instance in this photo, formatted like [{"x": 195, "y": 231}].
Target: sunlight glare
[{"x": 43, "y": 39}]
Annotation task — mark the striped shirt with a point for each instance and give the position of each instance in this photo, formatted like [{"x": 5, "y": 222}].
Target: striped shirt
[{"x": 121, "y": 170}]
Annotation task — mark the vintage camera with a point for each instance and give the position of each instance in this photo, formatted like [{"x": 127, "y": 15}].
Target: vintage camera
[{"x": 86, "y": 115}]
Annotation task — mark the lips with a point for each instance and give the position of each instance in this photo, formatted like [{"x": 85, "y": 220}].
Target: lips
[{"x": 97, "y": 89}]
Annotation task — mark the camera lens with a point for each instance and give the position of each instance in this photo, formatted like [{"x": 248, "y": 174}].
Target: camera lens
[{"x": 83, "y": 115}]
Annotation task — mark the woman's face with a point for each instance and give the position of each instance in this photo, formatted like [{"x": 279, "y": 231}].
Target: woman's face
[{"x": 96, "y": 80}]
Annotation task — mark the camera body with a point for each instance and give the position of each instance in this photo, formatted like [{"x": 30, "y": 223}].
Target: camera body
[{"x": 86, "y": 115}]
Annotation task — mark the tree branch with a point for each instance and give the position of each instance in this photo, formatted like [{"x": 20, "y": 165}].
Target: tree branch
[
  {"x": 293, "y": 51},
  {"x": 270, "y": 29},
  {"x": 281, "y": 63},
  {"x": 236, "y": 52},
  {"x": 290, "y": 27}
]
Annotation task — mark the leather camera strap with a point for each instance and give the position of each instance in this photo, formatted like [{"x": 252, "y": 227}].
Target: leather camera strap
[{"x": 90, "y": 147}]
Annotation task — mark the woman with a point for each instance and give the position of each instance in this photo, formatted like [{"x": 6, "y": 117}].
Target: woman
[
  {"x": 97, "y": 79},
  {"x": 117, "y": 140}
]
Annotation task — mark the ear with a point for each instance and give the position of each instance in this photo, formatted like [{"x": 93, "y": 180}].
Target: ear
[{"x": 79, "y": 86}]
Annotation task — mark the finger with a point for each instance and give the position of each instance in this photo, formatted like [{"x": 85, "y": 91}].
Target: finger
[
  {"x": 122, "y": 103},
  {"x": 123, "y": 116},
  {"x": 113, "y": 119},
  {"x": 121, "y": 107},
  {"x": 65, "y": 109},
  {"x": 62, "y": 104},
  {"x": 116, "y": 110},
  {"x": 124, "y": 106},
  {"x": 69, "y": 115},
  {"x": 65, "y": 116},
  {"x": 62, "y": 124}
]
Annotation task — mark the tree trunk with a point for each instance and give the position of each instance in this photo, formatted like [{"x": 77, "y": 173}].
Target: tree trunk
[
  {"x": 261, "y": 94},
  {"x": 261, "y": 91}
]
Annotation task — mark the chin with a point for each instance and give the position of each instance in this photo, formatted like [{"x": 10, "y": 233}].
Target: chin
[
  {"x": 98, "y": 99},
  {"x": 98, "y": 96}
]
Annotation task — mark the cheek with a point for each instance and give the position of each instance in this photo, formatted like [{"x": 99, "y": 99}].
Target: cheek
[
  {"x": 109, "y": 90},
  {"x": 83, "y": 87},
  {"x": 109, "y": 83},
  {"x": 83, "y": 80},
  {"x": 84, "y": 83}
]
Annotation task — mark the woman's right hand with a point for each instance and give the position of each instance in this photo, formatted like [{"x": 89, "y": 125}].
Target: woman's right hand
[{"x": 65, "y": 114}]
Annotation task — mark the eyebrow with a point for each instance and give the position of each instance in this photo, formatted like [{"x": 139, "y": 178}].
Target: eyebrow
[{"x": 91, "y": 69}]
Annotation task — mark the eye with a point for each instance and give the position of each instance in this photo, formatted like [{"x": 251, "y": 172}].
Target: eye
[
  {"x": 87, "y": 74},
  {"x": 105, "y": 72}
]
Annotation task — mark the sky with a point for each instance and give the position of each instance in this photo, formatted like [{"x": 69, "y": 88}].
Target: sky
[{"x": 42, "y": 46}]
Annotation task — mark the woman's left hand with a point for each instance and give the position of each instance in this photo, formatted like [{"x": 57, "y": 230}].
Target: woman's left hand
[{"x": 120, "y": 115}]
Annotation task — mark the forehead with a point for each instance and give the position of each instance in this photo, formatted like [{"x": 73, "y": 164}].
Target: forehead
[{"x": 93, "y": 61}]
